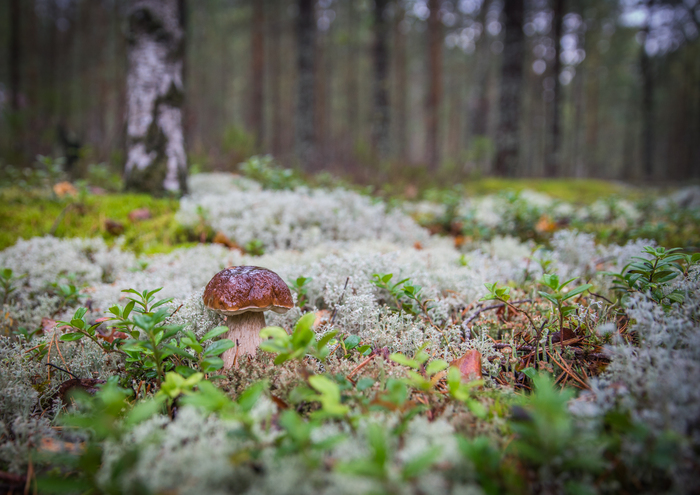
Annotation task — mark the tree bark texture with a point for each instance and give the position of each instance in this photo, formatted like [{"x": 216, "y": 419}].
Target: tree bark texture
[
  {"x": 306, "y": 54},
  {"x": 276, "y": 78},
  {"x": 479, "y": 104},
  {"x": 647, "y": 112},
  {"x": 156, "y": 157},
  {"x": 15, "y": 54},
  {"x": 257, "y": 121},
  {"x": 507, "y": 139},
  {"x": 401, "y": 78},
  {"x": 435, "y": 41},
  {"x": 552, "y": 162},
  {"x": 381, "y": 116}
]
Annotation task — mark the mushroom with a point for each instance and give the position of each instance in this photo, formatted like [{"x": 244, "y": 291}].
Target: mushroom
[{"x": 242, "y": 294}]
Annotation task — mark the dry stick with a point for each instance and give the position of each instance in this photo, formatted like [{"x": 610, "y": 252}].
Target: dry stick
[
  {"x": 30, "y": 475},
  {"x": 58, "y": 348},
  {"x": 360, "y": 366},
  {"x": 568, "y": 370},
  {"x": 487, "y": 308},
  {"x": 59, "y": 368},
  {"x": 601, "y": 297}
]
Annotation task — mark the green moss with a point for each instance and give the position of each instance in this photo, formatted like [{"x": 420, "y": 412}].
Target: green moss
[
  {"x": 35, "y": 213},
  {"x": 581, "y": 191}
]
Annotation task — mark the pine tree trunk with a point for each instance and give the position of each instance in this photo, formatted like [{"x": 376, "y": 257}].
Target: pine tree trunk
[
  {"x": 380, "y": 119},
  {"x": 306, "y": 47},
  {"x": 401, "y": 92},
  {"x": 552, "y": 162},
  {"x": 156, "y": 158},
  {"x": 275, "y": 34},
  {"x": 257, "y": 121},
  {"x": 435, "y": 42},
  {"x": 508, "y": 136},
  {"x": 647, "y": 112}
]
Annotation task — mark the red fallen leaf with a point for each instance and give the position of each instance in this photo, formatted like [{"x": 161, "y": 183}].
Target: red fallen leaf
[
  {"x": 469, "y": 365},
  {"x": 47, "y": 324},
  {"x": 114, "y": 334},
  {"x": 417, "y": 245},
  {"x": 103, "y": 319},
  {"x": 139, "y": 214}
]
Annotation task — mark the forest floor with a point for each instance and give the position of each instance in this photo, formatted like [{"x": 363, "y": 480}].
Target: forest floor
[{"x": 498, "y": 337}]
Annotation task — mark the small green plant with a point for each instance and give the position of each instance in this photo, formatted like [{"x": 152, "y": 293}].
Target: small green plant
[
  {"x": 299, "y": 285},
  {"x": 649, "y": 276},
  {"x": 262, "y": 168},
  {"x": 299, "y": 344},
  {"x": 559, "y": 295},
  {"x": 403, "y": 292},
  {"x": 79, "y": 327},
  {"x": 206, "y": 357},
  {"x": 255, "y": 247},
  {"x": 7, "y": 283}
]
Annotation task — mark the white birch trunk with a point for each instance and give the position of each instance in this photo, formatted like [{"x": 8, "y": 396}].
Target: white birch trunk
[{"x": 156, "y": 159}]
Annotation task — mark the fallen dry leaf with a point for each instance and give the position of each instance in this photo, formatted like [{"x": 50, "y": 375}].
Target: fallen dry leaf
[
  {"x": 469, "y": 365},
  {"x": 220, "y": 238}
]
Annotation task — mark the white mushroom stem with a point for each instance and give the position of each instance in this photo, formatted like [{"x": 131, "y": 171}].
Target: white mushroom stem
[{"x": 244, "y": 329}]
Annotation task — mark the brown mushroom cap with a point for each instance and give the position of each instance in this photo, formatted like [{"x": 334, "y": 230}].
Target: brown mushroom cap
[{"x": 238, "y": 289}]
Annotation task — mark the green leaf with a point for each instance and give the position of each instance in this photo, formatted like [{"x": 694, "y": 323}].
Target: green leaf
[
  {"x": 416, "y": 465},
  {"x": 185, "y": 371},
  {"x": 435, "y": 366},
  {"x": 219, "y": 347},
  {"x": 250, "y": 396},
  {"x": 325, "y": 339},
  {"x": 364, "y": 383},
  {"x": 70, "y": 337},
  {"x": 365, "y": 350},
  {"x": 214, "y": 332},
  {"x": 306, "y": 322},
  {"x": 352, "y": 341},
  {"x": 401, "y": 359},
  {"x": 277, "y": 333},
  {"x": 578, "y": 290},
  {"x": 211, "y": 364}
]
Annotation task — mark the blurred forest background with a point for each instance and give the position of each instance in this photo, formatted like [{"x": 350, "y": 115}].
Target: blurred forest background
[{"x": 366, "y": 89}]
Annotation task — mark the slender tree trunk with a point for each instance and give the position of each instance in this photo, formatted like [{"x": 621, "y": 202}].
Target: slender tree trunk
[
  {"x": 15, "y": 57},
  {"x": 276, "y": 79},
  {"x": 508, "y": 137},
  {"x": 401, "y": 78},
  {"x": 435, "y": 41},
  {"x": 479, "y": 104},
  {"x": 380, "y": 119},
  {"x": 306, "y": 48},
  {"x": 15, "y": 54},
  {"x": 257, "y": 121},
  {"x": 647, "y": 111},
  {"x": 156, "y": 158},
  {"x": 553, "y": 161},
  {"x": 320, "y": 88},
  {"x": 351, "y": 80}
]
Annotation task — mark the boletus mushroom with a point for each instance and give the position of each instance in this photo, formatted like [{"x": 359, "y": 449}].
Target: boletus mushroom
[{"x": 243, "y": 294}]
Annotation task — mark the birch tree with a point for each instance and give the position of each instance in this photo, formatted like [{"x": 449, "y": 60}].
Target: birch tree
[{"x": 156, "y": 159}]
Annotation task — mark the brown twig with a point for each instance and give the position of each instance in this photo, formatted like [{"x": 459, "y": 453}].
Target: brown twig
[
  {"x": 360, "y": 366},
  {"x": 601, "y": 297},
  {"x": 567, "y": 369},
  {"x": 487, "y": 308}
]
